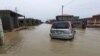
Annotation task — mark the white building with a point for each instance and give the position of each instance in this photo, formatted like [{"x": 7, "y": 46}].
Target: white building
[{"x": 1, "y": 33}]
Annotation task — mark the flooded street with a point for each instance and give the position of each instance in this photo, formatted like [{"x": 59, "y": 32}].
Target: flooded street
[{"x": 36, "y": 41}]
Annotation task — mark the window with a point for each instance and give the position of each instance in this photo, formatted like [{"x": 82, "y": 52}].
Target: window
[
  {"x": 60, "y": 25},
  {"x": 98, "y": 20}
]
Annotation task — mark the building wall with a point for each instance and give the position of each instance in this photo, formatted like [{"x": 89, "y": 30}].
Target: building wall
[
  {"x": 15, "y": 21},
  {"x": 9, "y": 20},
  {"x": 94, "y": 21},
  {"x": 67, "y": 18},
  {"x": 6, "y": 21},
  {"x": 75, "y": 20},
  {"x": 28, "y": 22}
]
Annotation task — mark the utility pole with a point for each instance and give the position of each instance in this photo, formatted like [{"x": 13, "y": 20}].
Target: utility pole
[{"x": 62, "y": 10}]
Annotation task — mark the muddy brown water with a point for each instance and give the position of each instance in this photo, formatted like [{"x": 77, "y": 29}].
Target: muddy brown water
[{"x": 36, "y": 41}]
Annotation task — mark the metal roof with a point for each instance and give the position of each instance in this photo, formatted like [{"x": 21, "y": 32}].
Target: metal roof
[{"x": 12, "y": 12}]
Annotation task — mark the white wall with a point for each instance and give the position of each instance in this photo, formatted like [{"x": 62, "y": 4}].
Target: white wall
[{"x": 1, "y": 30}]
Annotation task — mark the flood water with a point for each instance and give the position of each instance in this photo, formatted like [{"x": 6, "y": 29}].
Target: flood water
[{"x": 36, "y": 41}]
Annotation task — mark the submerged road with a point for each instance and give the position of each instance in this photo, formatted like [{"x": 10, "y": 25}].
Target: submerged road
[{"x": 36, "y": 41}]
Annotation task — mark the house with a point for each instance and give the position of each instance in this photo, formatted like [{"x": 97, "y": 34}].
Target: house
[
  {"x": 9, "y": 19},
  {"x": 29, "y": 21},
  {"x": 66, "y": 18},
  {"x": 51, "y": 21},
  {"x": 25, "y": 22},
  {"x": 74, "y": 19},
  {"x": 37, "y": 21},
  {"x": 94, "y": 21}
]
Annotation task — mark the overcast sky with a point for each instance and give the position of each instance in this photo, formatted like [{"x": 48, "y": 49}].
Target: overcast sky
[{"x": 48, "y": 9}]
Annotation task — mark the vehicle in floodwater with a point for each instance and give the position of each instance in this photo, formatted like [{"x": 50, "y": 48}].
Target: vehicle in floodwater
[{"x": 62, "y": 30}]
